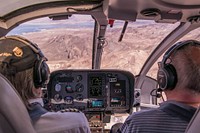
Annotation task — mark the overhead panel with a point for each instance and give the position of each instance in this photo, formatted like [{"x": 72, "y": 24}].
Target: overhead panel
[{"x": 122, "y": 10}]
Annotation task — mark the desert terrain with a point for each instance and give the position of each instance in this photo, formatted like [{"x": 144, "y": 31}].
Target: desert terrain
[{"x": 71, "y": 48}]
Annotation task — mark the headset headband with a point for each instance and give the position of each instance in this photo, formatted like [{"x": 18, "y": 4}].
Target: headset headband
[
  {"x": 176, "y": 46},
  {"x": 167, "y": 76}
]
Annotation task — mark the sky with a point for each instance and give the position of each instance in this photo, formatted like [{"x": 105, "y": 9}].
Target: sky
[{"x": 75, "y": 21}]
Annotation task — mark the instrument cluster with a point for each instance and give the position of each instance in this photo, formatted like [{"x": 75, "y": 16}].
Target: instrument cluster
[{"x": 107, "y": 91}]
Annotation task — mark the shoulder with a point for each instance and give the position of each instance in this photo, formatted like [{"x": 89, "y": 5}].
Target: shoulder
[
  {"x": 145, "y": 114},
  {"x": 58, "y": 122},
  {"x": 138, "y": 120},
  {"x": 153, "y": 121},
  {"x": 148, "y": 118},
  {"x": 78, "y": 117}
]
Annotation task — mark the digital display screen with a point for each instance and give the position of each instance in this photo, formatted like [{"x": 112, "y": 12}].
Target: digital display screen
[
  {"x": 97, "y": 103},
  {"x": 116, "y": 100},
  {"x": 118, "y": 88},
  {"x": 118, "y": 93},
  {"x": 95, "y": 86},
  {"x": 66, "y": 79}
]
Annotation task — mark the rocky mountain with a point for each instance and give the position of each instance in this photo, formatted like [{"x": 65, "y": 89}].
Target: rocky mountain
[{"x": 72, "y": 48}]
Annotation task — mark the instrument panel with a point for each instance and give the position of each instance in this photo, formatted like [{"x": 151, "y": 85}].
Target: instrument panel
[
  {"x": 104, "y": 91},
  {"x": 97, "y": 93}
]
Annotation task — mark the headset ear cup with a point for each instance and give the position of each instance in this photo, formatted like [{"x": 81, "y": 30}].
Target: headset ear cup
[
  {"x": 171, "y": 76},
  {"x": 41, "y": 73},
  {"x": 167, "y": 77},
  {"x": 162, "y": 79},
  {"x": 45, "y": 73}
]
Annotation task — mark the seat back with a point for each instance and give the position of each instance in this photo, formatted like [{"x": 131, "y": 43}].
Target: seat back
[
  {"x": 193, "y": 126},
  {"x": 14, "y": 117}
]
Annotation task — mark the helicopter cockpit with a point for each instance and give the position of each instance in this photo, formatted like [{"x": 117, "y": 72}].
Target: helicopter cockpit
[{"x": 105, "y": 93}]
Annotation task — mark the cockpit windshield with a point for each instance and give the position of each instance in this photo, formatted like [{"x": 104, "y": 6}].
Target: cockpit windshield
[{"x": 68, "y": 43}]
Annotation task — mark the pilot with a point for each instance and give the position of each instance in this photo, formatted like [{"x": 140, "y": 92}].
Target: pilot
[
  {"x": 179, "y": 77},
  {"x": 24, "y": 65}
]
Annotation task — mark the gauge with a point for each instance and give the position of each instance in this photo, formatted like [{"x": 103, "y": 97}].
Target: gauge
[
  {"x": 57, "y": 98},
  {"x": 79, "y": 97},
  {"x": 57, "y": 87},
  {"x": 68, "y": 89},
  {"x": 79, "y": 87},
  {"x": 68, "y": 99},
  {"x": 79, "y": 78}
]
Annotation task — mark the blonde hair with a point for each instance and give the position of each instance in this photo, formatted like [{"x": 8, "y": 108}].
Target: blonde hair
[{"x": 23, "y": 83}]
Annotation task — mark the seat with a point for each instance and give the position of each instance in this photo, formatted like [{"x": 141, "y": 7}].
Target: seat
[
  {"x": 14, "y": 117},
  {"x": 193, "y": 126}
]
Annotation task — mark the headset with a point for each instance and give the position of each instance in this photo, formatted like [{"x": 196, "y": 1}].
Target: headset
[
  {"x": 167, "y": 76},
  {"x": 36, "y": 59}
]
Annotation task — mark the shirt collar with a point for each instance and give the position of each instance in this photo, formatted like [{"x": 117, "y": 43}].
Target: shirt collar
[
  {"x": 178, "y": 104},
  {"x": 36, "y": 100}
]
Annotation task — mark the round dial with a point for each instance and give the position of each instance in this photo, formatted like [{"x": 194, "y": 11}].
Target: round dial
[
  {"x": 79, "y": 87},
  {"x": 68, "y": 99},
  {"x": 57, "y": 87},
  {"x": 57, "y": 98},
  {"x": 79, "y": 97},
  {"x": 79, "y": 78},
  {"x": 69, "y": 89}
]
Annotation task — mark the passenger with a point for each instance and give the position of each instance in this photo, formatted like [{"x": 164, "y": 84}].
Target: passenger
[
  {"x": 25, "y": 66},
  {"x": 179, "y": 78}
]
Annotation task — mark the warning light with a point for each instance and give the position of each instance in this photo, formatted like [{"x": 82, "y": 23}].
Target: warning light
[{"x": 111, "y": 22}]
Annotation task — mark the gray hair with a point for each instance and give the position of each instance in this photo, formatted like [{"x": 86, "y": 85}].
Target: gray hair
[{"x": 187, "y": 64}]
